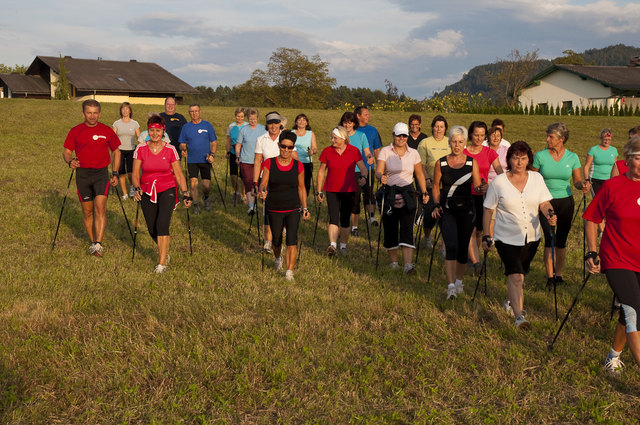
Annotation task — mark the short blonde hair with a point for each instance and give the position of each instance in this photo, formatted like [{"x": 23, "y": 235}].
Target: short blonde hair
[{"x": 343, "y": 132}]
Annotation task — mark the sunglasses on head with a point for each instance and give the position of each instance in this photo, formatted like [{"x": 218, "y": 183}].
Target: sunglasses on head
[{"x": 288, "y": 147}]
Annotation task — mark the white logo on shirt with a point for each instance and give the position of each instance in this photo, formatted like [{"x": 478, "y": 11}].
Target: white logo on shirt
[
  {"x": 202, "y": 130},
  {"x": 638, "y": 201},
  {"x": 96, "y": 137}
]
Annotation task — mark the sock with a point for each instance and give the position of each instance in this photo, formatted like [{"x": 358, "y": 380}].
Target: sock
[
  {"x": 343, "y": 245},
  {"x": 354, "y": 227},
  {"x": 614, "y": 353},
  {"x": 452, "y": 285},
  {"x": 458, "y": 282},
  {"x": 333, "y": 244}
]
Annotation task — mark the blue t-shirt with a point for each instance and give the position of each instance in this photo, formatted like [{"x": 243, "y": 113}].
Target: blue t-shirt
[
  {"x": 248, "y": 137},
  {"x": 198, "y": 138},
  {"x": 232, "y": 131},
  {"x": 557, "y": 175},
  {"x": 302, "y": 144},
  {"x": 359, "y": 140},
  {"x": 373, "y": 137},
  {"x": 603, "y": 161}
]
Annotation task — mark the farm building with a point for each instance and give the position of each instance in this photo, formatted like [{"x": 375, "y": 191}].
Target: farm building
[
  {"x": 103, "y": 80},
  {"x": 584, "y": 86}
]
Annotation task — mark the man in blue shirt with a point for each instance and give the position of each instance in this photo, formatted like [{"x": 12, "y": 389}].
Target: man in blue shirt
[
  {"x": 375, "y": 144},
  {"x": 198, "y": 139}
]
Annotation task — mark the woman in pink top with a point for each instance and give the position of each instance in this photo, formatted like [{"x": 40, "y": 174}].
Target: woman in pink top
[{"x": 156, "y": 170}]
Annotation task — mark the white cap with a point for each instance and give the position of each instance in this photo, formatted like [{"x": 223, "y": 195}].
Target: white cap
[{"x": 400, "y": 128}]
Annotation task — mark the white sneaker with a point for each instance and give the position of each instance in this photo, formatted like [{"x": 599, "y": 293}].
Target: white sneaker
[
  {"x": 373, "y": 221},
  {"x": 409, "y": 269},
  {"x": 452, "y": 291},
  {"x": 394, "y": 265},
  {"x": 506, "y": 306},
  {"x": 343, "y": 250},
  {"x": 98, "y": 249},
  {"x": 125, "y": 197},
  {"x": 289, "y": 275},
  {"x": 160, "y": 269},
  {"x": 92, "y": 248},
  {"x": 522, "y": 323},
  {"x": 459, "y": 288},
  {"x": 268, "y": 247},
  {"x": 277, "y": 264},
  {"x": 613, "y": 364}
]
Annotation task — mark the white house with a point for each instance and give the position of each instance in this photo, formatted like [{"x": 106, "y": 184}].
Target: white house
[{"x": 581, "y": 86}]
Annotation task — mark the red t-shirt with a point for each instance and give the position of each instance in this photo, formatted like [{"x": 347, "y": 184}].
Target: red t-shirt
[
  {"x": 622, "y": 166},
  {"x": 484, "y": 158},
  {"x": 92, "y": 144},
  {"x": 618, "y": 201},
  {"x": 157, "y": 175},
  {"x": 341, "y": 169}
]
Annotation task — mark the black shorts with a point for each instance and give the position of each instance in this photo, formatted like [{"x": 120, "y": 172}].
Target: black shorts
[
  {"x": 563, "y": 207},
  {"x": 126, "y": 162},
  {"x": 204, "y": 168},
  {"x": 340, "y": 205},
  {"x": 233, "y": 166},
  {"x": 478, "y": 200},
  {"x": 92, "y": 182},
  {"x": 596, "y": 184},
  {"x": 626, "y": 285},
  {"x": 289, "y": 220},
  {"x": 517, "y": 258}
]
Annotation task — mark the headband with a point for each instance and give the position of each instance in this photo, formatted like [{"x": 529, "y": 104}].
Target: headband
[
  {"x": 633, "y": 153},
  {"x": 156, "y": 125},
  {"x": 337, "y": 133}
]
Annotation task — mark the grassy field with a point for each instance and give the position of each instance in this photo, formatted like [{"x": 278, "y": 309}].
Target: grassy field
[{"x": 215, "y": 340}]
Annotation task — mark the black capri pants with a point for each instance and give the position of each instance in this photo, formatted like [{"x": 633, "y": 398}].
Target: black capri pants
[
  {"x": 233, "y": 165},
  {"x": 340, "y": 205},
  {"x": 563, "y": 207},
  {"x": 308, "y": 173},
  {"x": 456, "y": 229},
  {"x": 626, "y": 285},
  {"x": 517, "y": 258},
  {"x": 478, "y": 200},
  {"x": 402, "y": 217},
  {"x": 365, "y": 191},
  {"x": 126, "y": 162},
  {"x": 289, "y": 220},
  {"x": 158, "y": 215}
]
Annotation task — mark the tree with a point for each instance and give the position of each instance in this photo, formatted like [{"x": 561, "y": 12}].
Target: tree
[
  {"x": 571, "y": 58},
  {"x": 292, "y": 79},
  {"x": 62, "y": 85},
  {"x": 5, "y": 69},
  {"x": 513, "y": 74},
  {"x": 391, "y": 90}
]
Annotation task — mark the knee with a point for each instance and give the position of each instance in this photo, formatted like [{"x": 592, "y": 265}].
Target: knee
[{"x": 630, "y": 317}]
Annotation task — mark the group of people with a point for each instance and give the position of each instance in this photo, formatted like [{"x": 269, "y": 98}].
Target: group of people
[{"x": 479, "y": 190}]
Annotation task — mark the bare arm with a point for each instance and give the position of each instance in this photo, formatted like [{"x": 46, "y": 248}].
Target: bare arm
[
  {"x": 587, "y": 165},
  {"x": 257, "y": 163},
  {"x": 264, "y": 183},
  {"x": 320, "y": 179},
  {"x": 578, "y": 182},
  {"x": 591, "y": 234},
  {"x": 497, "y": 166}
]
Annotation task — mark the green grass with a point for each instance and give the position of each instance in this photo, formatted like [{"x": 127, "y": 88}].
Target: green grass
[{"x": 215, "y": 340}]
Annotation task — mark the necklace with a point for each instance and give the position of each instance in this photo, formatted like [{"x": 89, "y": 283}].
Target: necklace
[{"x": 155, "y": 148}]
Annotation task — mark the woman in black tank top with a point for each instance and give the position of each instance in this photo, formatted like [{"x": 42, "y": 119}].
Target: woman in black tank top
[{"x": 454, "y": 174}]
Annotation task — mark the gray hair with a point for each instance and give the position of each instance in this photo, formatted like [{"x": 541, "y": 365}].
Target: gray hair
[
  {"x": 458, "y": 130},
  {"x": 605, "y": 131},
  {"x": 633, "y": 145},
  {"x": 252, "y": 111},
  {"x": 560, "y": 129}
]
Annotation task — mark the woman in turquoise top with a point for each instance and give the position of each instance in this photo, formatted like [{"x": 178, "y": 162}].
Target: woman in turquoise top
[
  {"x": 557, "y": 166},
  {"x": 600, "y": 160},
  {"x": 306, "y": 146}
]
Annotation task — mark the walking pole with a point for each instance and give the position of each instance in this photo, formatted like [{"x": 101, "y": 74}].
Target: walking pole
[
  {"x": 64, "y": 200},
  {"x": 435, "y": 242},
  {"x": 255, "y": 213},
  {"x": 123, "y": 212},
  {"x": 315, "y": 228},
  {"x": 235, "y": 187},
  {"x": 135, "y": 231},
  {"x": 189, "y": 228},
  {"x": 578, "y": 209},
  {"x": 226, "y": 175},
  {"x": 482, "y": 270},
  {"x": 366, "y": 220},
  {"x": 584, "y": 237},
  {"x": 418, "y": 239},
  {"x": 300, "y": 235},
  {"x": 264, "y": 214},
  {"x": 380, "y": 228},
  {"x": 575, "y": 300},
  {"x": 218, "y": 185},
  {"x": 553, "y": 263}
]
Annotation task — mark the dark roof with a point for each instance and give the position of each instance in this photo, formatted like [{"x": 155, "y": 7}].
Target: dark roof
[
  {"x": 616, "y": 77},
  {"x": 31, "y": 84},
  {"x": 114, "y": 76}
]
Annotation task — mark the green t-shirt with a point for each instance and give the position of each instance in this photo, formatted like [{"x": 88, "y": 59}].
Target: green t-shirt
[
  {"x": 603, "y": 161},
  {"x": 557, "y": 175}
]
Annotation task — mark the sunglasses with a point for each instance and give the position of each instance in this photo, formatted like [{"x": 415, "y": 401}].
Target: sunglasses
[{"x": 287, "y": 147}]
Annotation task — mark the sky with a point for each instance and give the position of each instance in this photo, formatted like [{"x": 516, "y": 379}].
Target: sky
[{"x": 419, "y": 45}]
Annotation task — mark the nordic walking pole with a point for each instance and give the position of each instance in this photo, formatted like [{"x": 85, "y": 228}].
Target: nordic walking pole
[
  {"x": 189, "y": 228},
  {"x": 433, "y": 249},
  {"x": 584, "y": 236},
  {"x": 213, "y": 170},
  {"x": 575, "y": 300},
  {"x": 578, "y": 209},
  {"x": 64, "y": 200},
  {"x": 135, "y": 231},
  {"x": 380, "y": 229},
  {"x": 421, "y": 220},
  {"x": 315, "y": 228},
  {"x": 235, "y": 187},
  {"x": 300, "y": 235},
  {"x": 226, "y": 175},
  {"x": 123, "y": 212},
  {"x": 482, "y": 270},
  {"x": 553, "y": 263},
  {"x": 264, "y": 215},
  {"x": 366, "y": 220}
]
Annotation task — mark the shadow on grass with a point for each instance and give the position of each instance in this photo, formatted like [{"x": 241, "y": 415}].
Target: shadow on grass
[{"x": 12, "y": 392}]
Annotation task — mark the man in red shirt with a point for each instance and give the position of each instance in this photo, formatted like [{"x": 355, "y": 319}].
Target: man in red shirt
[{"x": 93, "y": 144}]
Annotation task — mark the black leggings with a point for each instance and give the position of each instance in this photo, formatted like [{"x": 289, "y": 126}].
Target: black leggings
[
  {"x": 158, "y": 215},
  {"x": 404, "y": 218},
  {"x": 340, "y": 204},
  {"x": 626, "y": 286},
  {"x": 563, "y": 207},
  {"x": 288, "y": 220},
  {"x": 456, "y": 232},
  {"x": 365, "y": 192}
]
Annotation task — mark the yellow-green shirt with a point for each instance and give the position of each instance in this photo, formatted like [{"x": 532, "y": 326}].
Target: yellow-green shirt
[{"x": 431, "y": 150}]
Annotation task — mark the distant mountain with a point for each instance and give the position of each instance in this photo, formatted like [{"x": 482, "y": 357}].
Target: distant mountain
[{"x": 477, "y": 79}]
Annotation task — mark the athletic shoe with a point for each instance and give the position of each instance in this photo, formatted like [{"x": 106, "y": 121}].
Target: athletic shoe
[
  {"x": 92, "y": 248},
  {"x": 559, "y": 280},
  {"x": 132, "y": 191},
  {"x": 613, "y": 364},
  {"x": 160, "y": 269},
  {"x": 451, "y": 291},
  {"x": 394, "y": 265},
  {"x": 373, "y": 221},
  {"x": 196, "y": 208},
  {"x": 428, "y": 243},
  {"x": 207, "y": 203},
  {"x": 251, "y": 211},
  {"x": 331, "y": 250},
  {"x": 277, "y": 264},
  {"x": 459, "y": 288},
  {"x": 343, "y": 251},
  {"x": 409, "y": 269},
  {"x": 354, "y": 231},
  {"x": 268, "y": 247},
  {"x": 98, "y": 249},
  {"x": 506, "y": 306},
  {"x": 550, "y": 282},
  {"x": 288, "y": 275},
  {"x": 522, "y": 323},
  {"x": 125, "y": 197}
]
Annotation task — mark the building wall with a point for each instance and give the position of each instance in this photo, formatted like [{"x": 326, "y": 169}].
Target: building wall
[
  {"x": 562, "y": 86},
  {"x": 108, "y": 98}
]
